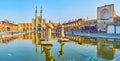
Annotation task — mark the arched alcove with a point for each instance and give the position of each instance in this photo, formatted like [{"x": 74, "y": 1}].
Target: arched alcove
[{"x": 104, "y": 14}]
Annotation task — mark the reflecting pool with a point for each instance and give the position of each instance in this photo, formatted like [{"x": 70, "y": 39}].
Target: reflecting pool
[{"x": 27, "y": 47}]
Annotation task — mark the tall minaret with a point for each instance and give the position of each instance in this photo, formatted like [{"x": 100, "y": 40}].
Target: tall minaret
[
  {"x": 36, "y": 12},
  {"x": 41, "y": 18},
  {"x": 41, "y": 12}
]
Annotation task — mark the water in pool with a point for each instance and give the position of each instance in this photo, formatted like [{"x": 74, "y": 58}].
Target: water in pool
[{"x": 27, "y": 47}]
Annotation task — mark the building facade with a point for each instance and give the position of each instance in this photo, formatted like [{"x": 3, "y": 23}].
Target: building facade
[
  {"x": 73, "y": 25},
  {"x": 6, "y": 26},
  {"x": 24, "y": 27},
  {"x": 89, "y": 26},
  {"x": 108, "y": 20},
  {"x": 37, "y": 23}
]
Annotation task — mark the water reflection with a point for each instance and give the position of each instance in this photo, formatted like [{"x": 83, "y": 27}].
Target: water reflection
[
  {"x": 46, "y": 51},
  {"x": 36, "y": 40},
  {"x": 106, "y": 48},
  {"x": 61, "y": 52},
  {"x": 27, "y": 36},
  {"x": 6, "y": 40}
]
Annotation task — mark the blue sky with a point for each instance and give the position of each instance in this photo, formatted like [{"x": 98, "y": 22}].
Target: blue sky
[{"x": 55, "y": 10}]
